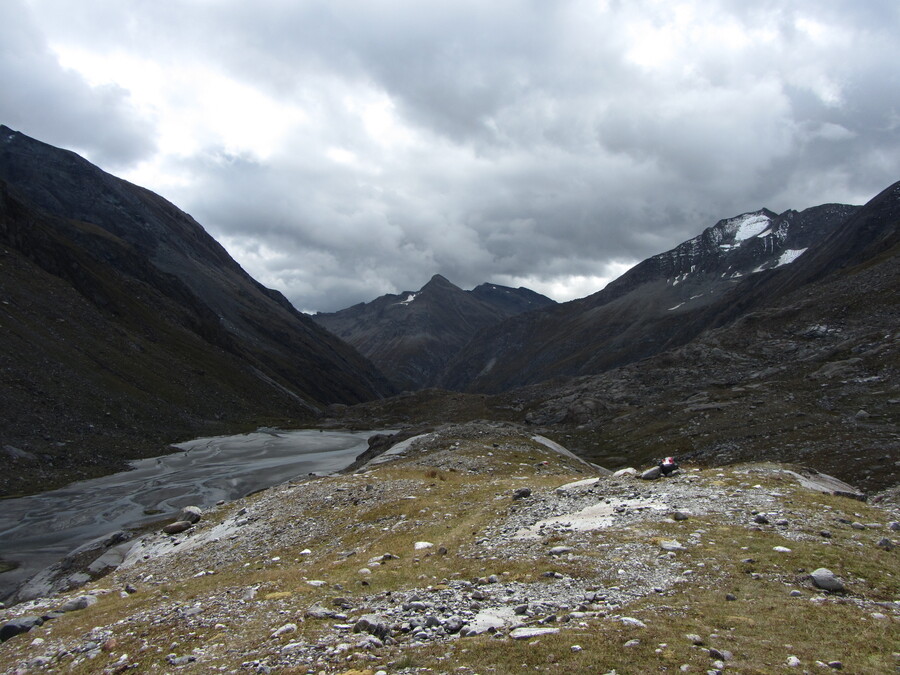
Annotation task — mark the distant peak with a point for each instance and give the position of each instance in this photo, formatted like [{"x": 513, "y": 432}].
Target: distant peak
[{"x": 437, "y": 281}]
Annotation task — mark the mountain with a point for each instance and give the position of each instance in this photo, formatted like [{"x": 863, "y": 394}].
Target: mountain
[
  {"x": 650, "y": 308},
  {"x": 126, "y": 326},
  {"x": 412, "y": 336},
  {"x": 797, "y": 364}
]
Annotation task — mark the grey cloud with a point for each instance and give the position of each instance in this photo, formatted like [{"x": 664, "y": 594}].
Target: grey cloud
[
  {"x": 540, "y": 149},
  {"x": 59, "y": 107}
]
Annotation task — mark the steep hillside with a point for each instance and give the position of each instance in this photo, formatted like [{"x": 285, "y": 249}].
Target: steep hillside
[
  {"x": 651, "y": 307},
  {"x": 126, "y": 326},
  {"x": 412, "y": 336}
]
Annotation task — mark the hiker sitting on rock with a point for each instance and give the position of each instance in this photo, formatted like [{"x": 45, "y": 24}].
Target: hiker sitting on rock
[{"x": 667, "y": 466}]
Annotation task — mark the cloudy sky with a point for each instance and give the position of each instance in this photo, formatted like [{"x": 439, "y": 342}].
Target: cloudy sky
[{"x": 342, "y": 149}]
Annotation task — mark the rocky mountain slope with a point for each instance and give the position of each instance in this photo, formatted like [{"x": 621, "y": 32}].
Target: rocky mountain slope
[
  {"x": 482, "y": 549},
  {"x": 127, "y": 327},
  {"x": 662, "y": 302},
  {"x": 413, "y": 335}
]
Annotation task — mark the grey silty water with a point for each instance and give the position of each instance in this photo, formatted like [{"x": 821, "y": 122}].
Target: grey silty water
[{"x": 38, "y": 530}]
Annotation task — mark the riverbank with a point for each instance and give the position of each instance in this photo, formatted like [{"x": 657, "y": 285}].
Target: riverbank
[{"x": 39, "y": 530}]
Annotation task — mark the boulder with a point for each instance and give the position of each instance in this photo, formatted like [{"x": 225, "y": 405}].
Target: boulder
[
  {"x": 827, "y": 581},
  {"x": 191, "y": 514},
  {"x": 81, "y": 602},
  {"x": 23, "y": 624},
  {"x": 177, "y": 526},
  {"x": 652, "y": 474}
]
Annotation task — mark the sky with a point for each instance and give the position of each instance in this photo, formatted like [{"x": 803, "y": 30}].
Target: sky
[{"x": 341, "y": 150}]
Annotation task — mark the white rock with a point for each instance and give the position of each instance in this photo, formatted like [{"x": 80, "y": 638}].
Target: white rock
[
  {"x": 422, "y": 545},
  {"x": 630, "y": 621},
  {"x": 671, "y": 545},
  {"x": 316, "y": 582},
  {"x": 529, "y": 632},
  {"x": 781, "y": 549},
  {"x": 630, "y": 471},
  {"x": 792, "y": 662},
  {"x": 365, "y": 570},
  {"x": 286, "y": 628}
]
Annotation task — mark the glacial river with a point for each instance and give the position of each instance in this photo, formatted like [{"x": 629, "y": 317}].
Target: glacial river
[{"x": 38, "y": 530}]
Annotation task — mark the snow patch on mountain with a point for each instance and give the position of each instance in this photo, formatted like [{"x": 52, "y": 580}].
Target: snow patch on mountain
[
  {"x": 749, "y": 225},
  {"x": 789, "y": 255}
]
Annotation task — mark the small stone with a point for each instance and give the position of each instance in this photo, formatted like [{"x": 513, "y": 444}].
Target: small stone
[
  {"x": 885, "y": 543},
  {"x": 837, "y": 665},
  {"x": 716, "y": 654},
  {"x": 694, "y": 639},
  {"x": 559, "y": 550},
  {"x": 632, "y": 643},
  {"x": 792, "y": 662},
  {"x": 651, "y": 474},
  {"x": 631, "y": 621},
  {"x": 576, "y": 648},
  {"x": 827, "y": 581},
  {"x": 680, "y": 515},
  {"x": 730, "y": 597},
  {"x": 760, "y": 519},
  {"x": 825, "y": 533},
  {"x": 781, "y": 549},
  {"x": 422, "y": 545},
  {"x": 522, "y": 493},
  {"x": 857, "y": 525},
  {"x": 894, "y": 526},
  {"x": 796, "y": 594},
  {"x": 365, "y": 571}
]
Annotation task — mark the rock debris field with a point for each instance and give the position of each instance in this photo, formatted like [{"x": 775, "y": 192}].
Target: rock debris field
[{"x": 481, "y": 549}]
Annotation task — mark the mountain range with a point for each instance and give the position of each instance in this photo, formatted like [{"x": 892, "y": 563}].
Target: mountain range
[
  {"x": 126, "y": 327},
  {"x": 413, "y": 335}
]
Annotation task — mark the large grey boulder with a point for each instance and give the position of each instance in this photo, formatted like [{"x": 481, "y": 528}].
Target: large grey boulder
[
  {"x": 23, "y": 624},
  {"x": 827, "y": 581}
]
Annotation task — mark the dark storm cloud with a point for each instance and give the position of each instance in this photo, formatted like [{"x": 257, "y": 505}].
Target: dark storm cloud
[{"x": 342, "y": 150}]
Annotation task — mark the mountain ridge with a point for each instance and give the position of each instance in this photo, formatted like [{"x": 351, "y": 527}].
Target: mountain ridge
[
  {"x": 644, "y": 311},
  {"x": 410, "y": 336}
]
